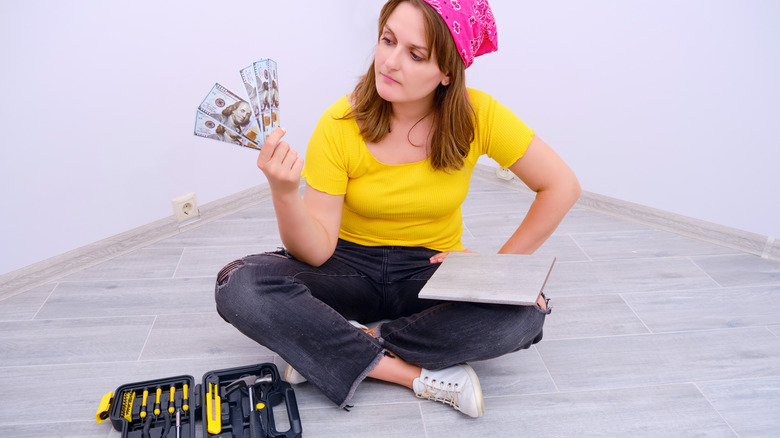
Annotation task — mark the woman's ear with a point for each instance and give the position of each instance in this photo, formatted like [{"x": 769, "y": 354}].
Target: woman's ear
[{"x": 445, "y": 81}]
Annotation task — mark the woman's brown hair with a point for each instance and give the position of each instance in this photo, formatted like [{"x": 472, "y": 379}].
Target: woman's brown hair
[{"x": 452, "y": 129}]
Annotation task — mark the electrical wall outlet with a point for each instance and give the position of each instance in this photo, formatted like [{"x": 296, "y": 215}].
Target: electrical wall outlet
[
  {"x": 505, "y": 174},
  {"x": 185, "y": 207}
]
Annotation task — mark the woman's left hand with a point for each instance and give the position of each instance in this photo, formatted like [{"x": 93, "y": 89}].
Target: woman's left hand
[{"x": 438, "y": 258}]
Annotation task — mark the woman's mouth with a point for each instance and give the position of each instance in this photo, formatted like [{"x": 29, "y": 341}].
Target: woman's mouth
[{"x": 388, "y": 79}]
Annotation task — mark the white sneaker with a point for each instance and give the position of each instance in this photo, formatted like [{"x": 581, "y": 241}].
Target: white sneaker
[
  {"x": 294, "y": 377},
  {"x": 457, "y": 386}
]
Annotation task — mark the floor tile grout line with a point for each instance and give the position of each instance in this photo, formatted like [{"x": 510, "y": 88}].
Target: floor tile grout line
[
  {"x": 704, "y": 396},
  {"x": 547, "y": 369},
  {"x": 649, "y": 330},
  {"x": 585, "y": 253},
  {"x": 422, "y": 418},
  {"x": 704, "y": 271},
  {"x": 33, "y": 318},
  {"x": 178, "y": 264},
  {"x": 146, "y": 341}
]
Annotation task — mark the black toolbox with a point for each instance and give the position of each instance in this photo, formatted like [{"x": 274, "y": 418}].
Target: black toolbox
[{"x": 170, "y": 407}]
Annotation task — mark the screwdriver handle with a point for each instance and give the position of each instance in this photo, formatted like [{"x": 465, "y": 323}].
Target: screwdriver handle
[
  {"x": 142, "y": 413},
  {"x": 157, "y": 402},
  {"x": 171, "y": 401},
  {"x": 186, "y": 398}
]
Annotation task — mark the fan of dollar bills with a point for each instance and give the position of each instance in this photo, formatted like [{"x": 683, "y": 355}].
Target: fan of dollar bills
[{"x": 226, "y": 117}]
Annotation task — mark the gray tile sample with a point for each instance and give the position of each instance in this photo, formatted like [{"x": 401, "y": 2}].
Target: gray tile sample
[{"x": 489, "y": 278}]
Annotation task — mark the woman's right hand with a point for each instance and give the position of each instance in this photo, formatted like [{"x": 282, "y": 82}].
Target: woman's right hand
[{"x": 281, "y": 165}]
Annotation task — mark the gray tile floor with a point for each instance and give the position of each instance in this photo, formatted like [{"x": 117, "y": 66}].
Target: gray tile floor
[{"x": 652, "y": 335}]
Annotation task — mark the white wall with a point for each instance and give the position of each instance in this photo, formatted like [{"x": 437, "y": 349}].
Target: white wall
[{"x": 666, "y": 104}]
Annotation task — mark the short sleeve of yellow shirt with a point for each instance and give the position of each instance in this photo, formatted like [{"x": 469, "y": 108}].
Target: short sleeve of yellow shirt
[{"x": 405, "y": 204}]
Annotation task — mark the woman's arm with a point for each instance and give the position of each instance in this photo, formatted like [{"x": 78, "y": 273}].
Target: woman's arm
[
  {"x": 557, "y": 189},
  {"x": 309, "y": 227}
]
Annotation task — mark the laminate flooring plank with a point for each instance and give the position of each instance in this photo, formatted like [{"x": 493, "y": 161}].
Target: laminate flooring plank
[
  {"x": 655, "y": 411},
  {"x": 560, "y": 246},
  {"x": 750, "y": 406},
  {"x": 496, "y": 202},
  {"x": 24, "y": 306},
  {"x": 144, "y": 263},
  {"x": 640, "y": 360},
  {"x": 401, "y": 420},
  {"x": 580, "y": 220},
  {"x": 207, "y": 262},
  {"x": 519, "y": 373},
  {"x": 66, "y": 429},
  {"x": 740, "y": 270},
  {"x": 591, "y": 317},
  {"x": 84, "y": 340},
  {"x": 643, "y": 244},
  {"x": 259, "y": 212},
  {"x": 626, "y": 276},
  {"x": 225, "y": 233},
  {"x": 197, "y": 335},
  {"x": 126, "y": 298},
  {"x": 708, "y": 309}
]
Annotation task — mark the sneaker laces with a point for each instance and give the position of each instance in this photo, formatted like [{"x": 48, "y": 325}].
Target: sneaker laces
[{"x": 440, "y": 391}]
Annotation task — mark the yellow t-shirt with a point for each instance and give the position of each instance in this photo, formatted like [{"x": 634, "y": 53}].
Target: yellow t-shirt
[{"x": 405, "y": 204}]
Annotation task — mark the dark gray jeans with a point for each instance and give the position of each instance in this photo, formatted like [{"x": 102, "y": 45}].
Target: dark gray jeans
[{"x": 300, "y": 312}]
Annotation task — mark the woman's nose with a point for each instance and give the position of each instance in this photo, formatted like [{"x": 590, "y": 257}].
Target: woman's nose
[{"x": 393, "y": 59}]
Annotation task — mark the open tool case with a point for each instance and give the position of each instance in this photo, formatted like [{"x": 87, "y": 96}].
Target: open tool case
[{"x": 221, "y": 402}]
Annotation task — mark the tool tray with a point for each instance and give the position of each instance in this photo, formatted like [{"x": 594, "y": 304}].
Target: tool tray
[{"x": 274, "y": 400}]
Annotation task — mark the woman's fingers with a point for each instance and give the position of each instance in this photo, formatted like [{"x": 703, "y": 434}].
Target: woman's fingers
[
  {"x": 440, "y": 257},
  {"x": 268, "y": 150}
]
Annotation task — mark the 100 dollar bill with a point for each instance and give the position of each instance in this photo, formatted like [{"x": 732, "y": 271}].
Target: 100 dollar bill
[
  {"x": 232, "y": 112},
  {"x": 207, "y": 127}
]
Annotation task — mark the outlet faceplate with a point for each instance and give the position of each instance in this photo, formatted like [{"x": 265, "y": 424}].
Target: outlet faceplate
[{"x": 185, "y": 207}]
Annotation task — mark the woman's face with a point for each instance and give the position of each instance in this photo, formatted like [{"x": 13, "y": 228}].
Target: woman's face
[{"x": 405, "y": 71}]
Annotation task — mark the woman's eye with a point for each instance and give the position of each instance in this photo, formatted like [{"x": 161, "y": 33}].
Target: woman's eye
[
  {"x": 387, "y": 40},
  {"x": 417, "y": 57}
]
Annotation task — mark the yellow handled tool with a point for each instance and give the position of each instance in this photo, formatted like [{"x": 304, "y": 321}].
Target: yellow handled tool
[
  {"x": 157, "y": 402},
  {"x": 185, "y": 401},
  {"x": 142, "y": 413},
  {"x": 213, "y": 411},
  {"x": 171, "y": 401}
]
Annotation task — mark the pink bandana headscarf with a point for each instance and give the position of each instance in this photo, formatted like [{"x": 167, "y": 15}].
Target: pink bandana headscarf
[{"x": 471, "y": 24}]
